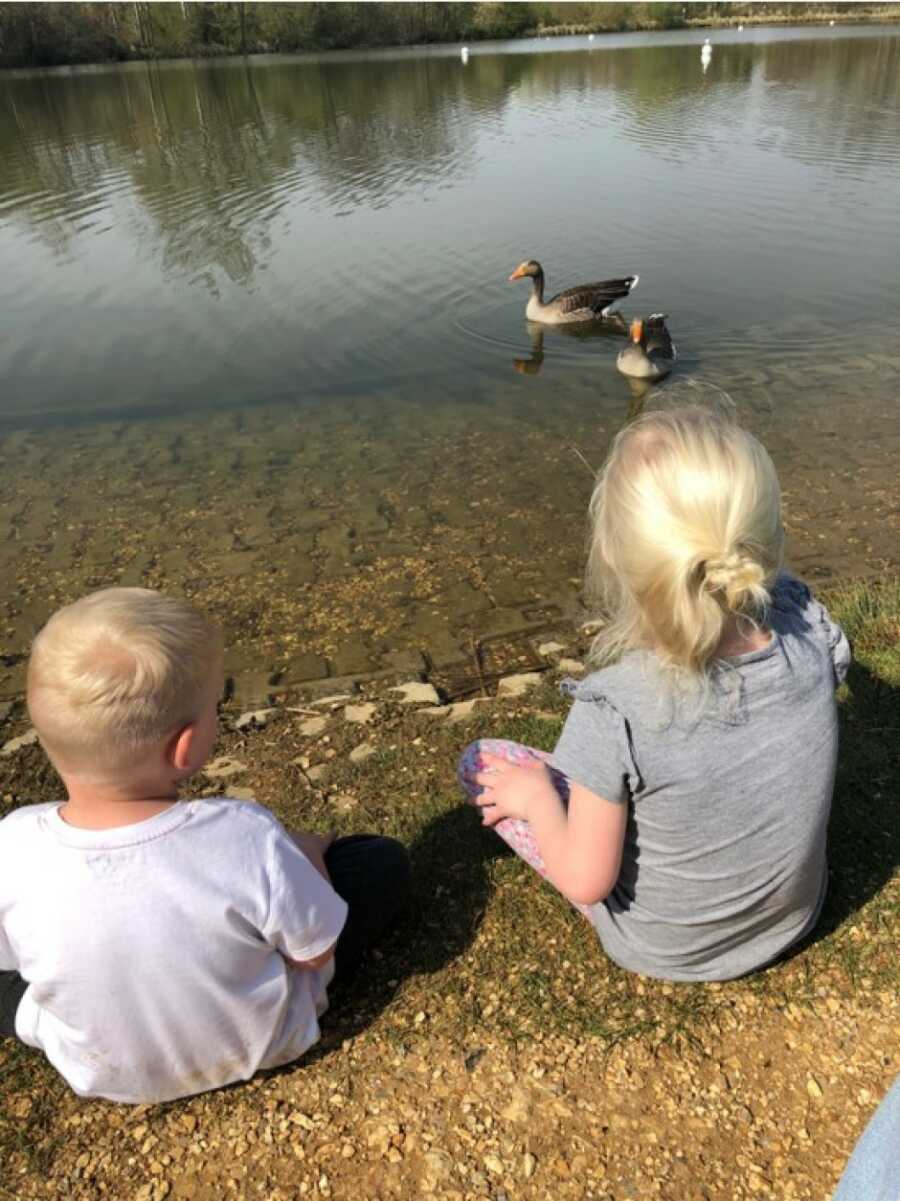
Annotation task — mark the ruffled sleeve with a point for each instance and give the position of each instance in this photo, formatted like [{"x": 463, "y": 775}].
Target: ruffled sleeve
[
  {"x": 792, "y": 593},
  {"x": 595, "y": 748}
]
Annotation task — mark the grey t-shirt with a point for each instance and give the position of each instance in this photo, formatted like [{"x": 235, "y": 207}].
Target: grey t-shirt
[{"x": 724, "y": 859}]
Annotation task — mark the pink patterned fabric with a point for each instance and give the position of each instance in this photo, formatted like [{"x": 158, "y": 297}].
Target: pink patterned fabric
[{"x": 515, "y": 833}]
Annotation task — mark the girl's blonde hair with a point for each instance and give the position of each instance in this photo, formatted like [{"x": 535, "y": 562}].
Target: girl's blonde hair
[
  {"x": 116, "y": 673},
  {"x": 686, "y": 532}
]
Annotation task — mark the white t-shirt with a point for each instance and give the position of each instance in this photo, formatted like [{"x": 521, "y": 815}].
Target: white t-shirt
[{"x": 152, "y": 950}]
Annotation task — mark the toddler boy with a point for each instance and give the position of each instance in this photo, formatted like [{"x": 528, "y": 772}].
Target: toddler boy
[{"x": 154, "y": 948}]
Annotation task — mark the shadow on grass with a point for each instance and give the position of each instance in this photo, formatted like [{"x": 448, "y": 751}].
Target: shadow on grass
[
  {"x": 450, "y": 860},
  {"x": 452, "y": 853}
]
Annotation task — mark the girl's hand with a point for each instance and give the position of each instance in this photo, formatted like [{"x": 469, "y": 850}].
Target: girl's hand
[{"x": 512, "y": 789}]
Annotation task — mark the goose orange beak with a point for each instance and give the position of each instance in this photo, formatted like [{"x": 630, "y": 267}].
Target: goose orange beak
[
  {"x": 637, "y": 331},
  {"x": 517, "y": 274}
]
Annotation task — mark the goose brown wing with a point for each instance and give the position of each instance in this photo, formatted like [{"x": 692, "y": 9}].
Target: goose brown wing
[
  {"x": 658, "y": 340},
  {"x": 596, "y": 296}
]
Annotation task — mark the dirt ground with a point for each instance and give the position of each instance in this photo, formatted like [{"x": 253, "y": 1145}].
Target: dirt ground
[
  {"x": 768, "y": 1103},
  {"x": 490, "y": 1052}
]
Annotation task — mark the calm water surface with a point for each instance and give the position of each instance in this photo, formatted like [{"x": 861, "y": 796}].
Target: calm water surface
[{"x": 257, "y": 343}]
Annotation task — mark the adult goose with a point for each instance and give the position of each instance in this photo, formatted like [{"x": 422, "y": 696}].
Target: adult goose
[
  {"x": 651, "y": 353},
  {"x": 585, "y": 302}
]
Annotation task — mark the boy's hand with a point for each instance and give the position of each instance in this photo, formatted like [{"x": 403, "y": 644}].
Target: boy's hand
[{"x": 512, "y": 789}]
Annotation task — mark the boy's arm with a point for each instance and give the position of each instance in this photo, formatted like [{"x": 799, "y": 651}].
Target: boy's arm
[
  {"x": 310, "y": 965},
  {"x": 314, "y": 847},
  {"x": 305, "y": 915}
]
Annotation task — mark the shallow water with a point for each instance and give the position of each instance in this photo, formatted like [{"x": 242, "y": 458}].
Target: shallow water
[{"x": 257, "y": 343}]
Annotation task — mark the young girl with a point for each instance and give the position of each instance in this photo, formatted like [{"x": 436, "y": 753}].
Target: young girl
[{"x": 685, "y": 806}]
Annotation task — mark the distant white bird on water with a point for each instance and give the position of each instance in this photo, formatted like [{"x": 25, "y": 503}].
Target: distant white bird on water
[
  {"x": 831, "y": 23},
  {"x": 740, "y": 29},
  {"x": 705, "y": 54},
  {"x": 464, "y": 54},
  {"x": 590, "y": 37}
]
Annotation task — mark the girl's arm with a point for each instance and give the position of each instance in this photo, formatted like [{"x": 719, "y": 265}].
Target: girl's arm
[{"x": 581, "y": 847}]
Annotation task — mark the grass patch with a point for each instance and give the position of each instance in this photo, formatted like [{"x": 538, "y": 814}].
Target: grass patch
[
  {"x": 524, "y": 964},
  {"x": 488, "y": 953}
]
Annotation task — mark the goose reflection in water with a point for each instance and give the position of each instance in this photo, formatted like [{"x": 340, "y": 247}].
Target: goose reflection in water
[{"x": 613, "y": 326}]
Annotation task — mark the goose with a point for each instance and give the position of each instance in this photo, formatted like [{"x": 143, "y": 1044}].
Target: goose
[
  {"x": 585, "y": 302},
  {"x": 651, "y": 352}
]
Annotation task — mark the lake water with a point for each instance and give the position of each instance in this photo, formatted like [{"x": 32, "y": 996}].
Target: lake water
[{"x": 257, "y": 343}]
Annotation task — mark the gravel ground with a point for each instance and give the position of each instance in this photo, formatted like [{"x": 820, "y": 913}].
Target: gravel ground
[
  {"x": 766, "y": 1103},
  {"x": 491, "y": 1052}
]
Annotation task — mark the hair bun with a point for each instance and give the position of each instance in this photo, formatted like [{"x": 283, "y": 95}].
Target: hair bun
[{"x": 735, "y": 575}]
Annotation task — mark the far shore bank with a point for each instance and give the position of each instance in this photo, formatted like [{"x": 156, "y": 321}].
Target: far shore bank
[
  {"x": 783, "y": 20},
  {"x": 857, "y": 17}
]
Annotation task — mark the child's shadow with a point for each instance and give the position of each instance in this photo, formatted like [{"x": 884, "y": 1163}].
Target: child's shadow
[
  {"x": 451, "y": 886},
  {"x": 863, "y": 833},
  {"x": 451, "y": 855}
]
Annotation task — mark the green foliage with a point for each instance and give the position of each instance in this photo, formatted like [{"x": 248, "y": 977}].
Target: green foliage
[
  {"x": 46, "y": 34},
  {"x": 501, "y": 20}
]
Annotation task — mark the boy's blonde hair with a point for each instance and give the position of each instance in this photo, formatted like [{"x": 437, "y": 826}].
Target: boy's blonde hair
[
  {"x": 686, "y": 531},
  {"x": 116, "y": 673}
]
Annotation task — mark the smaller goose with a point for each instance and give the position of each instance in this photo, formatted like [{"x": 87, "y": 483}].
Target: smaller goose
[
  {"x": 585, "y": 302},
  {"x": 651, "y": 352}
]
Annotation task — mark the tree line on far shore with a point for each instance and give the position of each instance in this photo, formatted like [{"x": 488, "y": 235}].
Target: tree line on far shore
[{"x": 48, "y": 34}]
